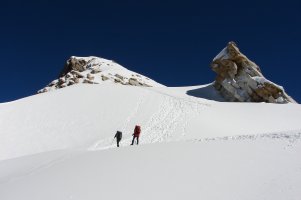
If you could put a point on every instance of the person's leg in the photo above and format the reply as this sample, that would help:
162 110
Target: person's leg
133 140
118 143
137 140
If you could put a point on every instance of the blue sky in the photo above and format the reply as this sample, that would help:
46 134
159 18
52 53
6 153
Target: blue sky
173 42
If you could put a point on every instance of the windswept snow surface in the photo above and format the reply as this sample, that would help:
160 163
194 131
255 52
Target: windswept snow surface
59 145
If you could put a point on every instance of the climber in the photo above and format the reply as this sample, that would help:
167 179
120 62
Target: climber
118 137
136 134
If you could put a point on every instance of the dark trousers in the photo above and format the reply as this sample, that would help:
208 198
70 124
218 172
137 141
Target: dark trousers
118 140
134 140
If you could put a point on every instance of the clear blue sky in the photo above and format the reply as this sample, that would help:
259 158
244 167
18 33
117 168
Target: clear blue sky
173 42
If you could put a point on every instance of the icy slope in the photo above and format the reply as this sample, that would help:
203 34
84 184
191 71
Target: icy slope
87 117
266 167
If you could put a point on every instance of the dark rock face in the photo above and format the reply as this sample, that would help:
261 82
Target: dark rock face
240 79
75 64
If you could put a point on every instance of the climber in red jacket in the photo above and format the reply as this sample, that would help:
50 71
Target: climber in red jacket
136 134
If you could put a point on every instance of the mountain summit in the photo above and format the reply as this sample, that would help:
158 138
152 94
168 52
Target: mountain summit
240 79
95 70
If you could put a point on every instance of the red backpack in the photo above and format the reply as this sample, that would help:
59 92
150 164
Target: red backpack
137 131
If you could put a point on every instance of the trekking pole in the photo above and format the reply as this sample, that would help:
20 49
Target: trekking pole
112 141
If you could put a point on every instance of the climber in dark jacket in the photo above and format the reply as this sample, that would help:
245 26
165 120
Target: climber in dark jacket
136 134
118 137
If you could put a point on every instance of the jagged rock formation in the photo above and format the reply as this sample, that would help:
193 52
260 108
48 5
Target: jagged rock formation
74 63
94 70
240 79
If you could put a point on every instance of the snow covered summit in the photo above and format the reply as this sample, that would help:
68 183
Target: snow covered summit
95 70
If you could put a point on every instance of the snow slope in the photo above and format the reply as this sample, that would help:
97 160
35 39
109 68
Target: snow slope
87 116
58 145
249 169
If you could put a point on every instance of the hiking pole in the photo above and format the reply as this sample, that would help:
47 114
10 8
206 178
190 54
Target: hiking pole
112 141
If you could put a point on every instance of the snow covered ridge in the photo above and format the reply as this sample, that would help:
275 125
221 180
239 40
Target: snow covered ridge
95 70
240 79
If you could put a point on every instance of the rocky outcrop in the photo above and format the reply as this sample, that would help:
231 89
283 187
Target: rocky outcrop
240 79
74 63
94 70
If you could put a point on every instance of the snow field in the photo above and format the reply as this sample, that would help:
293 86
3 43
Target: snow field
87 117
59 145
261 168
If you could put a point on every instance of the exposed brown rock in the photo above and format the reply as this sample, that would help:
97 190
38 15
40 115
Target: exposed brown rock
90 77
88 81
116 80
71 82
73 63
240 79
119 76
135 82
104 78
95 71
76 74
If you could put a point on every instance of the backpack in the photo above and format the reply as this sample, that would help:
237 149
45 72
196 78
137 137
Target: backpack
119 134
137 130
